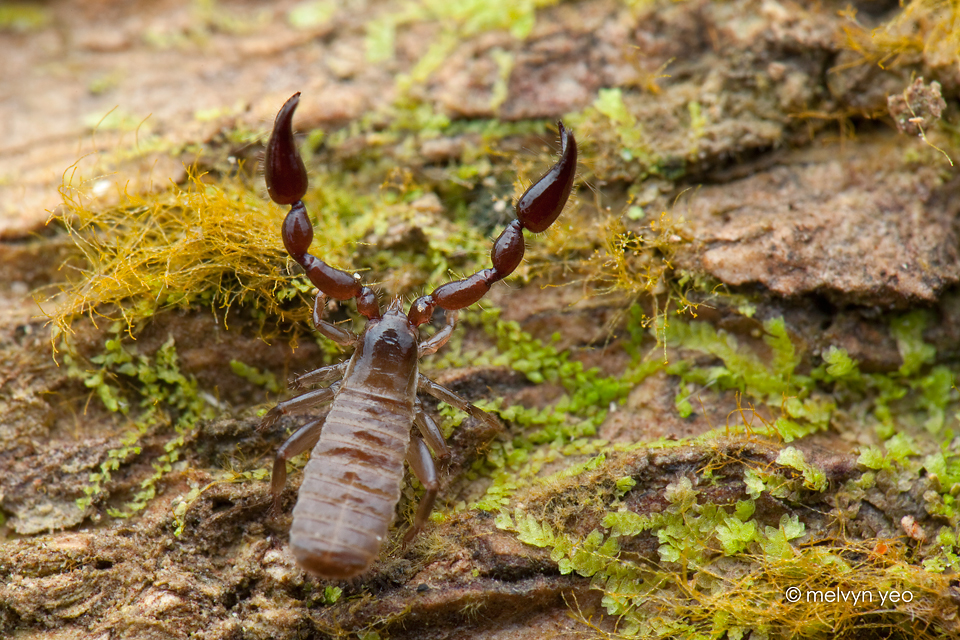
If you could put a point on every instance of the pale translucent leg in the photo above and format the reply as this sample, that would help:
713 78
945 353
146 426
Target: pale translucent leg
418 457
301 441
445 395
440 338
343 337
300 403
431 434
323 374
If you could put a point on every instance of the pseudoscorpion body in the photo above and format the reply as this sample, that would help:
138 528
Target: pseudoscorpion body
351 484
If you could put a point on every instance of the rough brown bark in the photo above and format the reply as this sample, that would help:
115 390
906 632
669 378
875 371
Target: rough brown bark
825 228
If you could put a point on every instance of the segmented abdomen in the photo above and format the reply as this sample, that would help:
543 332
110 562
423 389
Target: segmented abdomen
351 484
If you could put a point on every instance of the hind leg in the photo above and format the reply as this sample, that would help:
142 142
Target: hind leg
418 457
431 434
303 440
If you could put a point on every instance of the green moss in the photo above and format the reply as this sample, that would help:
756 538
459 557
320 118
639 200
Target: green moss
813 478
152 386
918 393
908 332
771 380
698 126
310 14
717 565
505 62
574 414
635 146
23 17
331 594
837 366
743 369
563 429
264 379
543 436
721 573
458 20
181 504
872 458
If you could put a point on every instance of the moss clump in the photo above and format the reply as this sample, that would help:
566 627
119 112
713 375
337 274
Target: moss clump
563 429
23 17
719 570
264 379
214 245
459 20
927 29
153 384
720 567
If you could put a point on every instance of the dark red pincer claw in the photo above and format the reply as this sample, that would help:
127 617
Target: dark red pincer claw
542 203
283 168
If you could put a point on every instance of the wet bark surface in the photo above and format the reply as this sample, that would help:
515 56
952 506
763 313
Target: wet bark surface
781 203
